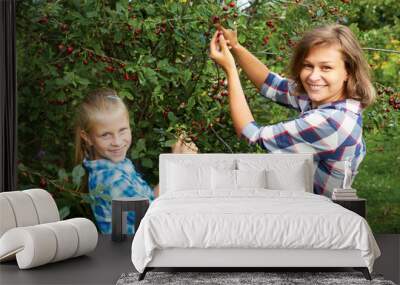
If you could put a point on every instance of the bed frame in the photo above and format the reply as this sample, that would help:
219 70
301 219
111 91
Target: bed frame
246 258
242 259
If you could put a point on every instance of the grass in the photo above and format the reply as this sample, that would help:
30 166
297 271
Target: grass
378 181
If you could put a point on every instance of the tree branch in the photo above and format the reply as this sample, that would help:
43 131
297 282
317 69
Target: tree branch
382 50
222 140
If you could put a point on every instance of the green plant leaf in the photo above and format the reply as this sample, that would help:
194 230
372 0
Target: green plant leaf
77 173
64 212
147 162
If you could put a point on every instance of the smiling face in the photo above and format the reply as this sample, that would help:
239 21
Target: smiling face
110 136
323 74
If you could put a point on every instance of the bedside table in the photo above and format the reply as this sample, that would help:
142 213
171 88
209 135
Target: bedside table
358 205
122 205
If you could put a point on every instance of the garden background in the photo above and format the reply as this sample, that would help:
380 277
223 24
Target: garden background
155 53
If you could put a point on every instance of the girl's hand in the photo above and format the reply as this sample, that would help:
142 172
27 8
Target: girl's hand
220 53
184 145
230 36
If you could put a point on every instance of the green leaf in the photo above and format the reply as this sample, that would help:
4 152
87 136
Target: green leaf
150 75
140 145
62 174
64 212
170 143
143 124
77 173
22 167
320 12
125 94
146 162
83 81
172 117
150 9
186 76
88 198
191 103
242 38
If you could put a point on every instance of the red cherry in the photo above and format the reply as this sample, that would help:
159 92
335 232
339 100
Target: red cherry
215 19
64 27
126 76
346 1
266 40
43 182
70 49
134 77
122 65
85 62
291 43
232 4
110 68
270 23
225 8
44 20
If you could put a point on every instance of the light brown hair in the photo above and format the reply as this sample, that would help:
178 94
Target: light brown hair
94 106
358 85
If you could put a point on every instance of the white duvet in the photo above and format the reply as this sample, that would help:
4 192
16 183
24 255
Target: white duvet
253 218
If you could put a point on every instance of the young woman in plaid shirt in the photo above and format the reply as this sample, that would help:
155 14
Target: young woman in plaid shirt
329 85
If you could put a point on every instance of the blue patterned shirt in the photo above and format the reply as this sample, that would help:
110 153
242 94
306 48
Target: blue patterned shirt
332 132
109 180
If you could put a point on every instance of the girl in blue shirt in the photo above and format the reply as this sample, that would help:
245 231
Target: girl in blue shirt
102 139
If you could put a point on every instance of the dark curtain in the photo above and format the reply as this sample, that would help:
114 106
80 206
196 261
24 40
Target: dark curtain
8 108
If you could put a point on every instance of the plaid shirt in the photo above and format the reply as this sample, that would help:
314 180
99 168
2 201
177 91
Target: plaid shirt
332 133
108 180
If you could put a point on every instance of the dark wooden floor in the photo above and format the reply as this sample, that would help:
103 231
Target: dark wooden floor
110 260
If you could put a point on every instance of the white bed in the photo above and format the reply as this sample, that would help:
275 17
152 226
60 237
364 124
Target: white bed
212 222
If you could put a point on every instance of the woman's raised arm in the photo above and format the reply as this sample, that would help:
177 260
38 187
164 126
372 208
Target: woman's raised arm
255 70
240 111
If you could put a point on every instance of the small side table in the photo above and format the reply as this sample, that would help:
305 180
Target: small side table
119 206
358 205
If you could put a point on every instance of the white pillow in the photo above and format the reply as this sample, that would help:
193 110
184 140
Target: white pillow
281 174
293 179
251 179
223 179
183 177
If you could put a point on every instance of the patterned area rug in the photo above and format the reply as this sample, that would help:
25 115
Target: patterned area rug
242 278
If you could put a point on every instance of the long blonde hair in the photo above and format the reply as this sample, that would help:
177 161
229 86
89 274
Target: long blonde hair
94 105
358 85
